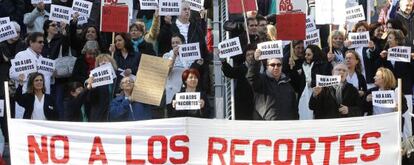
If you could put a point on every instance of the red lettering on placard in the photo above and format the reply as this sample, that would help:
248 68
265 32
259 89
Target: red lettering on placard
255 151
344 149
328 141
307 152
164 148
276 146
65 157
97 144
111 1
129 160
234 152
183 149
370 146
285 5
33 146
219 152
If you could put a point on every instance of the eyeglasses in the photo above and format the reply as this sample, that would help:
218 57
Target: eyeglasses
275 64
53 25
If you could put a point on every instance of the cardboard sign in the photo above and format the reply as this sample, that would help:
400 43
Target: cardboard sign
187 101
4 20
7 31
399 53
310 24
270 49
38 1
82 20
102 75
230 47
359 39
235 6
196 5
385 99
312 38
291 26
2 108
82 7
23 66
189 52
60 13
326 81
330 12
170 7
148 4
291 5
355 14
46 66
114 19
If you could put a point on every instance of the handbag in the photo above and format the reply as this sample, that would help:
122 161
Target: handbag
64 65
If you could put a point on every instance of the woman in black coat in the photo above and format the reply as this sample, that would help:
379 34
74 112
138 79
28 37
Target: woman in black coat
355 76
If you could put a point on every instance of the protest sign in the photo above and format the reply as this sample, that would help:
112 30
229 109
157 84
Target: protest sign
330 12
230 47
189 52
385 99
235 6
82 20
326 81
296 23
359 39
148 4
399 53
187 101
102 75
270 49
7 31
23 66
312 38
310 23
195 141
355 14
2 109
38 1
290 5
60 13
151 77
4 20
169 7
46 66
196 5
114 18
82 7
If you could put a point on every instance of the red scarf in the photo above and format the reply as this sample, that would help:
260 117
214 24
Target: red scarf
90 62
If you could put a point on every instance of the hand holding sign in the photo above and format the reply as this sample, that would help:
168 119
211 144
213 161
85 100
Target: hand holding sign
325 81
316 91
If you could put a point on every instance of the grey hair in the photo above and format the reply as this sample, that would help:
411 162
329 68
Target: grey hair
16 25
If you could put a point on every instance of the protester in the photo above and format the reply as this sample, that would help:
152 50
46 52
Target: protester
89 33
336 38
85 63
406 16
293 56
74 103
139 43
124 55
355 76
35 19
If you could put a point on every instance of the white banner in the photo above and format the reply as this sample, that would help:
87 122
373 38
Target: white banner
355 14
270 49
359 39
82 7
187 101
196 5
23 66
4 20
7 31
370 140
102 76
44 1
60 13
325 81
399 53
312 38
148 4
230 47
310 24
330 12
169 7
384 99
46 66
189 52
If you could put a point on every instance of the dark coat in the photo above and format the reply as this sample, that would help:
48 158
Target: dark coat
72 107
7 52
80 70
99 100
27 102
51 49
130 62
202 113
408 22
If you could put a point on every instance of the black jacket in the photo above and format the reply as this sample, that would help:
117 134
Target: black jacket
99 100
202 113
408 22
80 70
7 52
72 107
27 102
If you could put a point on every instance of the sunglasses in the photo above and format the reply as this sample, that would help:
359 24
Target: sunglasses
275 64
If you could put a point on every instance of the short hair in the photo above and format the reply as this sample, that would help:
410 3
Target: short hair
334 34
260 18
30 83
397 24
250 47
340 64
398 34
101 57
358 67
127 41
250 19
265 63
72 86
33 37
187 73
359 24
389 78
16 25
179 35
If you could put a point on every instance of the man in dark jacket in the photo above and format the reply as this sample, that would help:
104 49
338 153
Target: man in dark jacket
274 97
406 16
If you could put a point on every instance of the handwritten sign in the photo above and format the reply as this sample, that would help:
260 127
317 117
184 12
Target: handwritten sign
355 14
44 1
46 66
312 38
310 23
230 47
385 99
359 39
4 20
187 101
7 31
170 7
148 4
196 5
102 75
23 65
82 7
399 53
189 52
325 81
270 49
330 12
60 13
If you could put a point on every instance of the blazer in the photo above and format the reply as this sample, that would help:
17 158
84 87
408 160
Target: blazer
27 102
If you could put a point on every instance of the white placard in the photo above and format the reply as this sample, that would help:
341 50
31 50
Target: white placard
82 20
2 108
270 49
23 66
82 7
60 13
359 39
102 76
230 47
196 5
109 65
169 7
330 12
7 31
46 66
399 53
312 38
4 20
148 4
355 14
187 101
189 52
310 24
326 81
385 99
44 1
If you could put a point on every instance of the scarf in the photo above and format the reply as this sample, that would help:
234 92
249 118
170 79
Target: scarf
90 62
136 43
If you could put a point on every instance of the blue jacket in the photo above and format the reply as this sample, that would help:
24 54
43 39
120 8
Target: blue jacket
124 110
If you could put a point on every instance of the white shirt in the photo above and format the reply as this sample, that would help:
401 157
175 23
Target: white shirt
353 79
360 55
183 29
38 112
178 62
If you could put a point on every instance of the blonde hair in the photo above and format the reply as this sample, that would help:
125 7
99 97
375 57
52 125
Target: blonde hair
271 32
108 57
334 34
389 78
